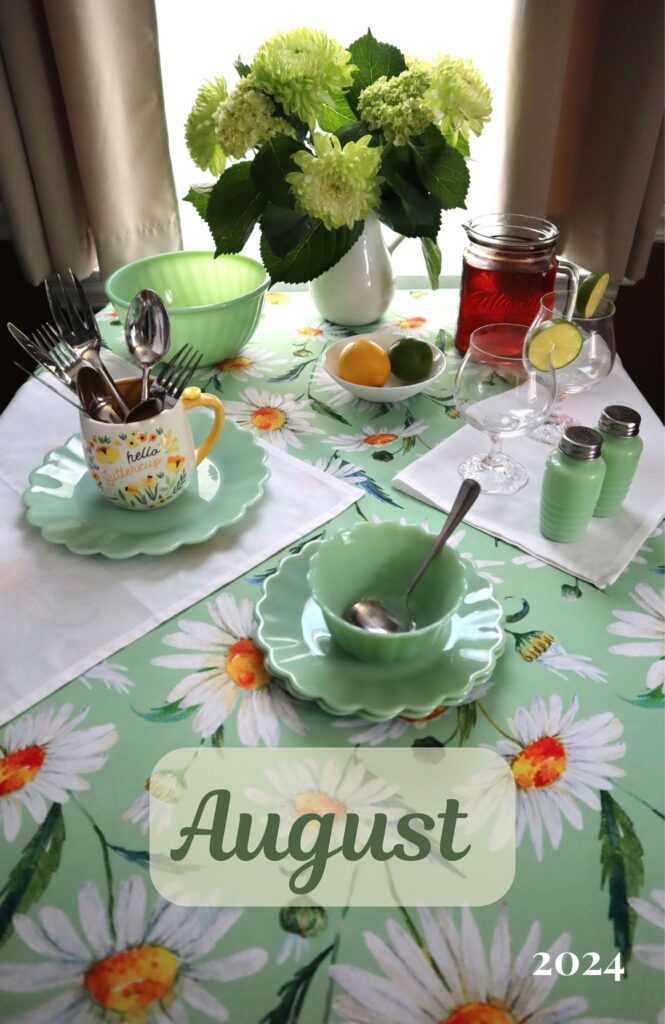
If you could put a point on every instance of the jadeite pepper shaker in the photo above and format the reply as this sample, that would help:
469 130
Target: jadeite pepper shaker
622 447
574 474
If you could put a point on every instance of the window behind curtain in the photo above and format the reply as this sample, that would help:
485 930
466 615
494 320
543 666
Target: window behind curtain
200 39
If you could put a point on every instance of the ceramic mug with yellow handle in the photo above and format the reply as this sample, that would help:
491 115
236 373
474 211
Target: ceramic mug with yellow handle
147 464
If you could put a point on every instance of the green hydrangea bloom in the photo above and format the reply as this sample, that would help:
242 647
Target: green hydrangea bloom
302 69
340 185
202 142
396 106
246 118
459 96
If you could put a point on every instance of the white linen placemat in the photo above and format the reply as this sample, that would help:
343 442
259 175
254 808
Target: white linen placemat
608 544
61 613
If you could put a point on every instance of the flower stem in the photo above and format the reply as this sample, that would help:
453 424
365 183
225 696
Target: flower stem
494 725
107 862
654 810
335 950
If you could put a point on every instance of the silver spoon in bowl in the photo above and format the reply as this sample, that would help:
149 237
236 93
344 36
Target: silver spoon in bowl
147 333
373 615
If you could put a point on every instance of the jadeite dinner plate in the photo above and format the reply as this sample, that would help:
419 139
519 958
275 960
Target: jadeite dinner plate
64 503
299 649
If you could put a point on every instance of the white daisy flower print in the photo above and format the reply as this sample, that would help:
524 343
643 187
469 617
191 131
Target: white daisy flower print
373 437
411 327
647 628
228 671
138 972
43 757
555 761
166 790
653 911
276 419
113 677
337 787
343 470
496 989
555 659
253 361
483 564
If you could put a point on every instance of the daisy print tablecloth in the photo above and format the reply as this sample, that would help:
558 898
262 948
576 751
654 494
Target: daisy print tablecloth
575 707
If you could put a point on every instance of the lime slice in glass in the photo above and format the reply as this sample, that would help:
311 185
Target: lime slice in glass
590 293
557 342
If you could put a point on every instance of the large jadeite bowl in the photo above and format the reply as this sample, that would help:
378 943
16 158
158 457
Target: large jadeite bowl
214 303
377 560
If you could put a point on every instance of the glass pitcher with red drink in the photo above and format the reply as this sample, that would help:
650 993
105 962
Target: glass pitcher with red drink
509 264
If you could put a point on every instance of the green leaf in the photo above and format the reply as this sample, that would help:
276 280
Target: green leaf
291 374
372 59
271 165
432 255
427 741
166 713
294 991
318 250
466 720
284 229
198 196
383 456
650 699
443 169
462 143
354 131
406 206
234 206
141 857
30 876
333 115
325 410
218 736
621 857
522 613
242 68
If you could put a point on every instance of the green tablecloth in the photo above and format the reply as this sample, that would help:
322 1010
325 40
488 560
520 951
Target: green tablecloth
576 707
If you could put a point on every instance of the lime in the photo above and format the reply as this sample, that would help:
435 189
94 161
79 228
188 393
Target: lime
410 359
589 294
555 341
364 362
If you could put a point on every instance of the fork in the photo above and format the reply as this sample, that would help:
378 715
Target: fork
176 375
36 350
78 327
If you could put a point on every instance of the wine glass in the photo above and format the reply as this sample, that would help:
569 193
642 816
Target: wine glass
503 395
589 367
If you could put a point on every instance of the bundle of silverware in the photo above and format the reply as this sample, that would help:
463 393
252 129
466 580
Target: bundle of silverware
69 348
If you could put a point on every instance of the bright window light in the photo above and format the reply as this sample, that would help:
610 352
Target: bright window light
200 39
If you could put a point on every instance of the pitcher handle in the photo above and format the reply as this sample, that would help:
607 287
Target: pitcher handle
193 397
571 271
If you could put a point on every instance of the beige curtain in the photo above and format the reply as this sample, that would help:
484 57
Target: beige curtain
585 127
85 173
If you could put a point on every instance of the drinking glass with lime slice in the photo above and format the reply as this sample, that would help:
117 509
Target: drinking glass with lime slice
580 346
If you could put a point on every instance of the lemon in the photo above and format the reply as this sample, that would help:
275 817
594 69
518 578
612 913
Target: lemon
590 293
555 341
411 360
364 362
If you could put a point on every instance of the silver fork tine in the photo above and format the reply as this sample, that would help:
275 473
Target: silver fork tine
181 373
86 309
75 322
46 340
56 312
169 368
186 375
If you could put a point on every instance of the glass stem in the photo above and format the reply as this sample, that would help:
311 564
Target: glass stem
495 450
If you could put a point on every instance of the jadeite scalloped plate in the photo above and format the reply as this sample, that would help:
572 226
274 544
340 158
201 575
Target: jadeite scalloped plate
64 503
299 649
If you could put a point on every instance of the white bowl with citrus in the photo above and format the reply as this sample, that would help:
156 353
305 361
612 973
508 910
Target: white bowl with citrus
367 365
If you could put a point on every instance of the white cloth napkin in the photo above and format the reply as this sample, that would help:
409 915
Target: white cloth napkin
608 544
61 614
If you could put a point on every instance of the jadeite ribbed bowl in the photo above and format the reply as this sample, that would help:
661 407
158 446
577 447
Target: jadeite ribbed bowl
378 560
214 304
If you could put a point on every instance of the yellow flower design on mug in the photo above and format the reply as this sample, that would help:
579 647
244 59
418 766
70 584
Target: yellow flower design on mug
106 453
174 463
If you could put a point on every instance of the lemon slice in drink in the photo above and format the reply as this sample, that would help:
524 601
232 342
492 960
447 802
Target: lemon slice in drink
557 342
590 293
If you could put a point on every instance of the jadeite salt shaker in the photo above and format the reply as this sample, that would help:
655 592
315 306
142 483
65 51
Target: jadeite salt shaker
622 447
574 474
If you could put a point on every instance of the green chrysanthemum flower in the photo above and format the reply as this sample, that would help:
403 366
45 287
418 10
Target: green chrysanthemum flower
302 69
340 185
397 105
202 142
246 118
459 96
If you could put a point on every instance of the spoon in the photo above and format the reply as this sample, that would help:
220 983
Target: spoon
145 410
95 396
147 333
372 615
